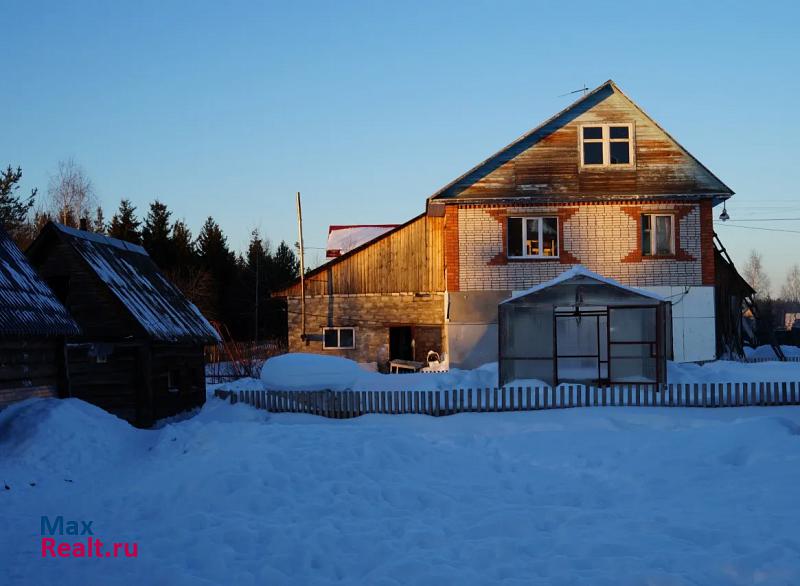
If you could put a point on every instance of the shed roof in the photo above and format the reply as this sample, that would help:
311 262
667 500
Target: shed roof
27 305
343 239
128 271
579 272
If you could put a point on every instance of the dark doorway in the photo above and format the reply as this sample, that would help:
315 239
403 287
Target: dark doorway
401 343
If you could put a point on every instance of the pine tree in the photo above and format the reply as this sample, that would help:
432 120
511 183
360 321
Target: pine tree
182 246
285 266
156 235
124 224
212 247
14 208
99 223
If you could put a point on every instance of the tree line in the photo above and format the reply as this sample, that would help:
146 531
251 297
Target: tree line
230 288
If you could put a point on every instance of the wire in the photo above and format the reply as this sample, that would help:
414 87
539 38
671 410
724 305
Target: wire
766 220
759 228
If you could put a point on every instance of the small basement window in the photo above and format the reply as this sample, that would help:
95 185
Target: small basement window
338 338
658 236
533 237
605 145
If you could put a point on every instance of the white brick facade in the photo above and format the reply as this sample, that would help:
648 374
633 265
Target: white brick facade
603 238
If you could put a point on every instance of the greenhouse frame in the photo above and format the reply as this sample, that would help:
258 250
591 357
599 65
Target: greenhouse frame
582 327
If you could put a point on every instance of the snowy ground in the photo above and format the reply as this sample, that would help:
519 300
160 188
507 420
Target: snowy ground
616 496
311 372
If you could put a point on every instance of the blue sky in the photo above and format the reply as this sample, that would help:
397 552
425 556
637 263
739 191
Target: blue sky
227 109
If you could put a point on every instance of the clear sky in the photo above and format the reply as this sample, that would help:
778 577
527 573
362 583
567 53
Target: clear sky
229 108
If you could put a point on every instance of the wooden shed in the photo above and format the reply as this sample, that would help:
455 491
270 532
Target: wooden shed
33 325
140 354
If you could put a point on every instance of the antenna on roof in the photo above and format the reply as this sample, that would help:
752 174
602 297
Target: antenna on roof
584 89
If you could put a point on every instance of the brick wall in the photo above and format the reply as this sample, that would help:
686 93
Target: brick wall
605 238
370 314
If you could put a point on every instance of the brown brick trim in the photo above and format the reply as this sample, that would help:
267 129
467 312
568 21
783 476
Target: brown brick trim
636 213
564 256
707 244
451 247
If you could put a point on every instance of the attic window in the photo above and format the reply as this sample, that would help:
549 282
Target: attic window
607 145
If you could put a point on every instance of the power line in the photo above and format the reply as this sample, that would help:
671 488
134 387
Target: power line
759 228
767 220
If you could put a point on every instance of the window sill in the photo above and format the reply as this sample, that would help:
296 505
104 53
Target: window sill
531 258
590 168
659 256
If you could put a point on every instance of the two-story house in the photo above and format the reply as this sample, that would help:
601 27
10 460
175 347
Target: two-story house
599 184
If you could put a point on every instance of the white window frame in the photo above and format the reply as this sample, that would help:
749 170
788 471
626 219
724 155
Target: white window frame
338 338
653 224
606 140
524 225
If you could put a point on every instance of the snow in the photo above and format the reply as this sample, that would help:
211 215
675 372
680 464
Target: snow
601 496
581 271
343 239
768 352
315 372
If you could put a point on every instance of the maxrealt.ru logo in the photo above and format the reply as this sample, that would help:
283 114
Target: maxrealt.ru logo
87 546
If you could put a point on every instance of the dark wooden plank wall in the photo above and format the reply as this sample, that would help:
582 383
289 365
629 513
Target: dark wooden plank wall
29 368
187 362
409 260
552 166
111 385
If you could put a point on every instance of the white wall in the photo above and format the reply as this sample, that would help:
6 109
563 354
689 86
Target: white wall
693 325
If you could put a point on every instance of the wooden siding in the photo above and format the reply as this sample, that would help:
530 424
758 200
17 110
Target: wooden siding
407 259
29 367
546 162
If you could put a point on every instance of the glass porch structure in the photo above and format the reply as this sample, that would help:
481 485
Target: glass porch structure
584 328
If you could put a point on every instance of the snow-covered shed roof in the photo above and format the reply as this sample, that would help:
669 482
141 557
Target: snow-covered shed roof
28 306
343 239
581 272
132 276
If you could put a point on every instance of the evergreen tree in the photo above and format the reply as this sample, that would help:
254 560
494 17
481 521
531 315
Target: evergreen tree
124 224
182 246
156 235
99 223
212 247
14 207
285 265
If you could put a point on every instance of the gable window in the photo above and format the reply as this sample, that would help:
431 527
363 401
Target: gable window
338 338
657 235
605 145
532 237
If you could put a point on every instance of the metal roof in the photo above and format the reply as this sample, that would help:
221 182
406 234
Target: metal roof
132 276
28 307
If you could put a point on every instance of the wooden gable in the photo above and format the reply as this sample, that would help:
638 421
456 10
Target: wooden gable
546 162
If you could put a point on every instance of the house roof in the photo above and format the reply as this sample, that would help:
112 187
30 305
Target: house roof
27 305
545 129
578 272
131 275
342 239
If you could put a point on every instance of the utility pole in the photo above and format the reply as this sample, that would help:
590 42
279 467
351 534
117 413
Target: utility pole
302 271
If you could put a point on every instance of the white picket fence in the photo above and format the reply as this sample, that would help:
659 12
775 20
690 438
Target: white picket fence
347 404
